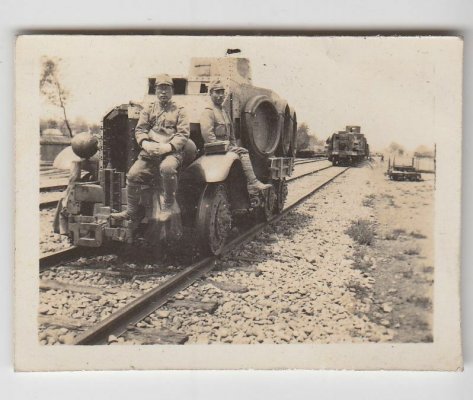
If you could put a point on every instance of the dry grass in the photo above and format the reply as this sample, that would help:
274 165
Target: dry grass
412 251
418 235
394 234
361 231
408 274
359 290
362 265
421 301
368 201
390 199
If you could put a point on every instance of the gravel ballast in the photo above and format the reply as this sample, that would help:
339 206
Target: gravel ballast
293 284
302 280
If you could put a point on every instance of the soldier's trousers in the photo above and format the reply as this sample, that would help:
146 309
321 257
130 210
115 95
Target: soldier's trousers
245 163
144 170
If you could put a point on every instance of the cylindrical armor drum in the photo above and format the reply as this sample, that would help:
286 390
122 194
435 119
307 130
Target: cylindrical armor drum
260 128
293 149
286 128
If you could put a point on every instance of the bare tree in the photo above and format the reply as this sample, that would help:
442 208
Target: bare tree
396 148
306 139
95 129
80 125
424 151
51 87
302 136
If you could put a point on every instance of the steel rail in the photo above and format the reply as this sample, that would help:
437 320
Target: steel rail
117 323
294 178
51 260
48 204
52 188
309 161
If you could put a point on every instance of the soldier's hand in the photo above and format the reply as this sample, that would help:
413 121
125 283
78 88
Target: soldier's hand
150 147
156 149
163 149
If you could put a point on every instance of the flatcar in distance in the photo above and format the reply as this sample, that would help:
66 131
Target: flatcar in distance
347 147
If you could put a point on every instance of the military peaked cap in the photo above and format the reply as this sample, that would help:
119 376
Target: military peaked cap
163 79
216 85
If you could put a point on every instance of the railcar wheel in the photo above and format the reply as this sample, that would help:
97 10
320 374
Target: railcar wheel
214 218
280 188
269 207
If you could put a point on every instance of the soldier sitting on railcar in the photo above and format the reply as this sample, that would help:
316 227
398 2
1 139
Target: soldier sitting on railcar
215 125
162 132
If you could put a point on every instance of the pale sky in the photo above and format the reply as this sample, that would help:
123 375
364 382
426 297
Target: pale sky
397 89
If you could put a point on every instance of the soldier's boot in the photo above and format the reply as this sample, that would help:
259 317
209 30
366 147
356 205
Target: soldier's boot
254 185
132 212
169 206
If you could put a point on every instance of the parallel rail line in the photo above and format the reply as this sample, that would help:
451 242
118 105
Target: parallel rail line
311 160
52 188
51 260
294 178
48 204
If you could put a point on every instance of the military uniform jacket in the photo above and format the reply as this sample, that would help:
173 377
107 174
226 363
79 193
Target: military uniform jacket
215 125
168 124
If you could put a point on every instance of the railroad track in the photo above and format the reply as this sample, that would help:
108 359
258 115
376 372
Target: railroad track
53 259
70 253
48 204
65 255
310 160
52 183
146 303
296 177
52 188
51 194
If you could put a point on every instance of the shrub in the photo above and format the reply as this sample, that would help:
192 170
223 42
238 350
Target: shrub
412 251
362 265
394 234
390 199
357 288
368 201
361 231
418 235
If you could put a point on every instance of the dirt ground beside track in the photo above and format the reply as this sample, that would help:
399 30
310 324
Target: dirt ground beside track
401 258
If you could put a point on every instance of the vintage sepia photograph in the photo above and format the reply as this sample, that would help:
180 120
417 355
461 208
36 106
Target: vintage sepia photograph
208 202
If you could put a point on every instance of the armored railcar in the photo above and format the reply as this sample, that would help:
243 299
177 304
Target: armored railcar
347 147
212 190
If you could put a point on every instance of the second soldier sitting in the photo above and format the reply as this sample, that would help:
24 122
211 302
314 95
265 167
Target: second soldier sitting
215 125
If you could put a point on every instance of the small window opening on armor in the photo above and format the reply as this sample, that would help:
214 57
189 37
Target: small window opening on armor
180 85
204 88
151 88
